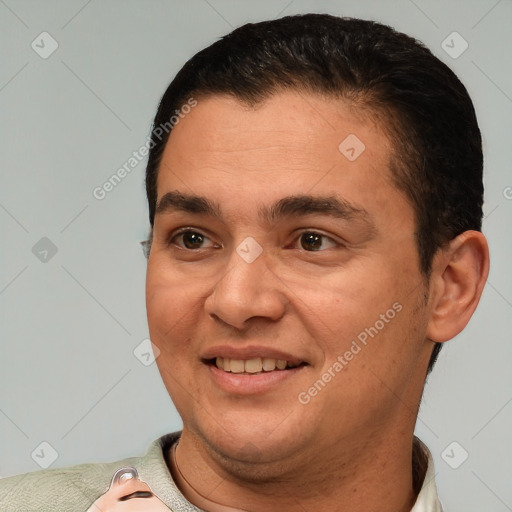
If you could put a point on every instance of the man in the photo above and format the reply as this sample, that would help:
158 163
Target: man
315 200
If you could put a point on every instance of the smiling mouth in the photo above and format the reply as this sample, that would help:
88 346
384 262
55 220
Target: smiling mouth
254 366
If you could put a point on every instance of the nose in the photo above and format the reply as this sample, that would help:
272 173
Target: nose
247 289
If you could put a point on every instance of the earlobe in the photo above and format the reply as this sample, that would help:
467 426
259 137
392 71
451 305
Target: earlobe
458 277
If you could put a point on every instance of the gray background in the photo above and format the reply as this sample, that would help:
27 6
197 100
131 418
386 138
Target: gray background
70 324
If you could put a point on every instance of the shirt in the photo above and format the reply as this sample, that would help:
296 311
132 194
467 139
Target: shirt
81 487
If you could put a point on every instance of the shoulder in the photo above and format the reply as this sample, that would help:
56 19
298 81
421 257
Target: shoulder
72 488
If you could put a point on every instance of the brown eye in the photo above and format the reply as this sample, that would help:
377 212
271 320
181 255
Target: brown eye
192 240
311 241
314 241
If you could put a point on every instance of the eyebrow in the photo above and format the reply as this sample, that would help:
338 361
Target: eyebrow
178 202
307 205
291 206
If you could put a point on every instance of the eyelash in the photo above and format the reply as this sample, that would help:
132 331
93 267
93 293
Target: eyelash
184 231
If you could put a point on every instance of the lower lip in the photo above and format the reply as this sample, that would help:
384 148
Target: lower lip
246 384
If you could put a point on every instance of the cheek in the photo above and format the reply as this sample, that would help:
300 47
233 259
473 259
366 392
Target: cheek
172 318
172 298
173 306
365 315
338 306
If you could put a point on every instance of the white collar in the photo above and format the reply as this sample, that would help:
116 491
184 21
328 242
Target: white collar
427 500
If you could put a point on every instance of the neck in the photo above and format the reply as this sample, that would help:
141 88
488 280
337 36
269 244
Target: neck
375 473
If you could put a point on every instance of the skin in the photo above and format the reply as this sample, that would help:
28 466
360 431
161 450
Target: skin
128 495
349 448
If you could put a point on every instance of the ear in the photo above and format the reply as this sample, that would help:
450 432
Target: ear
458 277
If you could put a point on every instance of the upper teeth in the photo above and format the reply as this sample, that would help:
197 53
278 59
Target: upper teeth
255 365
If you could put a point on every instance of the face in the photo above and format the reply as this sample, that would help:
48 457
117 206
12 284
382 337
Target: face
283 284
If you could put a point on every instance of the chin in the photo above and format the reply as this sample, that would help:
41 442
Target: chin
252 459
251 442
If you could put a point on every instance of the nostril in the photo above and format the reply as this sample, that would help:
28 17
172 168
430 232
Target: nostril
136 494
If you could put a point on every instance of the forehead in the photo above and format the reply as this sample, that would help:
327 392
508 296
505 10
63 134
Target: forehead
304 125
290 143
